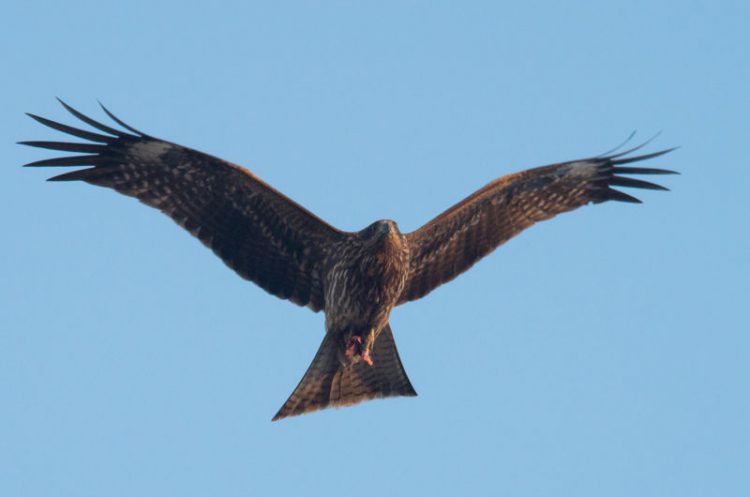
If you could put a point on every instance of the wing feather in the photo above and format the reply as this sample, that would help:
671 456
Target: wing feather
257 231
456 239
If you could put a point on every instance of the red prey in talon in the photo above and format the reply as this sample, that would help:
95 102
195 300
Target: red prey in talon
354 348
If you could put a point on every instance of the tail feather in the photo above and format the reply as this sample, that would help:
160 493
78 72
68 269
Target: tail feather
328 383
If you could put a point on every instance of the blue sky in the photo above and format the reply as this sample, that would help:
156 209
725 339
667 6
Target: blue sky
602 353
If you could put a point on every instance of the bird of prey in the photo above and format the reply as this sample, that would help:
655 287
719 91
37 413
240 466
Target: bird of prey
356 278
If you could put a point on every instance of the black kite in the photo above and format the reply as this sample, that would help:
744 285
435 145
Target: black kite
356 278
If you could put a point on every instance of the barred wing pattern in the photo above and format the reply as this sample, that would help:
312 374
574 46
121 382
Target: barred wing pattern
452 242
257 231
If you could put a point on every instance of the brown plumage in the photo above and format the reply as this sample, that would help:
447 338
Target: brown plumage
356 278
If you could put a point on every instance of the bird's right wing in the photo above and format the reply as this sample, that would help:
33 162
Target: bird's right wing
456 239
257 231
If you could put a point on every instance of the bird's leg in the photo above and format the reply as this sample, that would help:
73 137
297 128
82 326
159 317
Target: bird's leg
367 346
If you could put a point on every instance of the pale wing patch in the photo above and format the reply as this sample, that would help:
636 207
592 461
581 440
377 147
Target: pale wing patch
582 169
150 149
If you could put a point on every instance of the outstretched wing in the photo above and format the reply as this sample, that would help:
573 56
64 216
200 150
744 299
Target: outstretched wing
456 239
261 234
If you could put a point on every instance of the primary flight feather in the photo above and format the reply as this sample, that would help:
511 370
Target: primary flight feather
356 278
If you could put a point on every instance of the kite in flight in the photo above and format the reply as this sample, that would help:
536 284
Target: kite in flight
356 278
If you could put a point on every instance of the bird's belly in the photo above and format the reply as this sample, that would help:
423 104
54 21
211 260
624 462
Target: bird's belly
361 299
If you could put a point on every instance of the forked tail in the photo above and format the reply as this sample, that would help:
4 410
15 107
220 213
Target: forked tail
328 383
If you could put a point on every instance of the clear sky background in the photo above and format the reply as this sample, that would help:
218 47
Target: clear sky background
604 353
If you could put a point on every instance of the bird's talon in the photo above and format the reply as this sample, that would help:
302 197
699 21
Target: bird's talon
366 357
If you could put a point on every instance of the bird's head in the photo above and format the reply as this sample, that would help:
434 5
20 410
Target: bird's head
381 228
380 231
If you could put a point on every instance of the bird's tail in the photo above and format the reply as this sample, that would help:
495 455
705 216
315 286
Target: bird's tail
328 382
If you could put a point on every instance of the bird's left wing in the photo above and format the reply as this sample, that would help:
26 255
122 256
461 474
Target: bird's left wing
256 230
456 239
